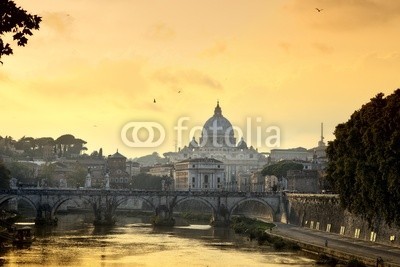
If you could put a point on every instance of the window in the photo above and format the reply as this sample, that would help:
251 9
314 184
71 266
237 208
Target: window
193 180
218 179
193 165
206 179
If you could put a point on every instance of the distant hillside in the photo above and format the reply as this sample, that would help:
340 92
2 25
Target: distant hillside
151 160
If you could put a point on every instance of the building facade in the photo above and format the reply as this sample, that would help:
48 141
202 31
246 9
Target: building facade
201 174
118 177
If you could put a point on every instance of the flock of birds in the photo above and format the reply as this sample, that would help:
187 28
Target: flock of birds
154 100
318 9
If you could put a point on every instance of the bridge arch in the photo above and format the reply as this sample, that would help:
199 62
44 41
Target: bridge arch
200 199
19 197
145 199
261 201
61 201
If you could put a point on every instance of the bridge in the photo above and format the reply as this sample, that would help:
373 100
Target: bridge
104 202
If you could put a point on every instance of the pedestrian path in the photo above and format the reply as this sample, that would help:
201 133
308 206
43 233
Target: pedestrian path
333 244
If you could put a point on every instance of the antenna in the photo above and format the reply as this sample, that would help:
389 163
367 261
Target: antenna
321 142
322 131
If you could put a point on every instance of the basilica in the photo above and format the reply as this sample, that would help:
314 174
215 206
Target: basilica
218 142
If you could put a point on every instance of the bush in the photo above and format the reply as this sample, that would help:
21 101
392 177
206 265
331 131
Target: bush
355 263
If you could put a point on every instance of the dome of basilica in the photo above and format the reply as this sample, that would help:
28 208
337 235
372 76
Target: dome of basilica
218 131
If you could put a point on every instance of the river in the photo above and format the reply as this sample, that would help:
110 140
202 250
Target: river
76 242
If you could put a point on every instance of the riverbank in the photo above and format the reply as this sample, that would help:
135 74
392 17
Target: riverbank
259 230
338 246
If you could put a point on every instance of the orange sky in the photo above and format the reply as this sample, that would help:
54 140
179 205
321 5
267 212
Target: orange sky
96 65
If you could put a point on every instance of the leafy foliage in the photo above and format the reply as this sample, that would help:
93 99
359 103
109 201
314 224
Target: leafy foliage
67 145
146 181
44 147
17 21
22 171
77 176
364 160
281 168
4 176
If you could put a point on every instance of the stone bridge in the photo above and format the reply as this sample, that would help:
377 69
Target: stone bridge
46 202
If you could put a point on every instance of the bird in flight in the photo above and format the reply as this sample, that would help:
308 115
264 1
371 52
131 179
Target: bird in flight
319 10
154 101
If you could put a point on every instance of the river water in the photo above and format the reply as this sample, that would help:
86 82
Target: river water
76 242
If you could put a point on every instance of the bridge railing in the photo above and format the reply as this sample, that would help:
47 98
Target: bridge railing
128 192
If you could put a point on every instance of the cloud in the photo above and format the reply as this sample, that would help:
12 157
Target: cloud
178 78
216 49
323 48
59 22
117 83
4 77
285 46
160 31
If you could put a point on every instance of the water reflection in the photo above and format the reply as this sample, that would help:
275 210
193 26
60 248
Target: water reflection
133 242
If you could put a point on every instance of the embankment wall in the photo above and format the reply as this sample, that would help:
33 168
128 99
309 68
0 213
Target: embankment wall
323 212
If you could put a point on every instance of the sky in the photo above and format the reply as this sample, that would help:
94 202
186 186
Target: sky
95 67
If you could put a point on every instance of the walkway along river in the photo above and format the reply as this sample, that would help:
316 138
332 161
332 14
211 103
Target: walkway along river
340 246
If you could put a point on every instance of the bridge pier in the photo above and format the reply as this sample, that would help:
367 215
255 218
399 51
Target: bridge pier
220 216
163 217
164 212
45 216
104 210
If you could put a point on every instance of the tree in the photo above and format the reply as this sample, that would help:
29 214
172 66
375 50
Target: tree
17 21
94 154
67 145
364 161
281 168
4 176
77 176
146 181
24 172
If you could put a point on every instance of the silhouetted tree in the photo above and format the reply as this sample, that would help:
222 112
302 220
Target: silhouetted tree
364 160
17 21
4 176
94 154
281 168
67 144
26 144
